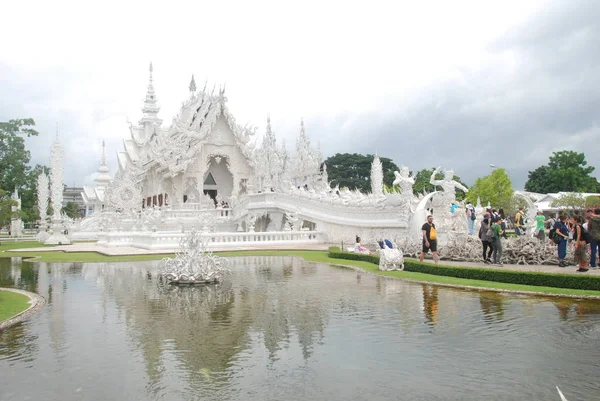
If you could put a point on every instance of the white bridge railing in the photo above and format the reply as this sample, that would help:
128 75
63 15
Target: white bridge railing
219 240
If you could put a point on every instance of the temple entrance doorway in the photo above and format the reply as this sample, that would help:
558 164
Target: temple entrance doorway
212 193
218 180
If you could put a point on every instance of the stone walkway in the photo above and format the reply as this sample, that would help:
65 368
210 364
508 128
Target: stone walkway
122 251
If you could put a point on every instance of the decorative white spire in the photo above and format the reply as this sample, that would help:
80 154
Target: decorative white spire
151 107
193 84
103 177
377 176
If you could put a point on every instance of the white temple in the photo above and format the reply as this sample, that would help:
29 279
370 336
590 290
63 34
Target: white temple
93 197
202 172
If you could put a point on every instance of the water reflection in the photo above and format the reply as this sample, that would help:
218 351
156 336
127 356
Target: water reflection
282 328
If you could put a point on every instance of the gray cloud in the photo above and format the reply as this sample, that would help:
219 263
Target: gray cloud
535 90
539 92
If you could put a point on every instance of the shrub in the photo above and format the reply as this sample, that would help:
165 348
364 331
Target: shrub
578 282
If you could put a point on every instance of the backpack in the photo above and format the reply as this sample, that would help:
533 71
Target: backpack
473 216
585 235
594 227
557 238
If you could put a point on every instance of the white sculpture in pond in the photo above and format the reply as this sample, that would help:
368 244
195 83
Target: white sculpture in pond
194 264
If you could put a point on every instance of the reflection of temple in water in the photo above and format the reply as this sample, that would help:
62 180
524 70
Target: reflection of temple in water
213 324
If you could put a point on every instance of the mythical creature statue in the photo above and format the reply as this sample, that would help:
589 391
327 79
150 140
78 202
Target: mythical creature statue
405 181
448 185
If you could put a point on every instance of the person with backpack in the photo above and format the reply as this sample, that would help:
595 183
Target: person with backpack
496 243
550 225
471 217
485 239
562 235
520 222
581 240
593 229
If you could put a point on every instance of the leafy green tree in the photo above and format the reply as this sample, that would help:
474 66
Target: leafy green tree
567 171
572 200
72 210
422 183
354 170
592 201
6 204
15 172
495 189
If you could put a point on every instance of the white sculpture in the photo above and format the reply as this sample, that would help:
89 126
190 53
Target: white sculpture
43 199
404 181
16 225
448 185
377 177
390 258
57 235
56 177
194 264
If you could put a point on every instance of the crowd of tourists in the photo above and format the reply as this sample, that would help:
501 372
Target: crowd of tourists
581 233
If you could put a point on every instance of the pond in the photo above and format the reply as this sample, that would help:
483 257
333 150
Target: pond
281 328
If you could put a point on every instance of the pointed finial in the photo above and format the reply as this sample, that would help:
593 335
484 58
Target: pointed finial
268 118
193 84
103 158
150 69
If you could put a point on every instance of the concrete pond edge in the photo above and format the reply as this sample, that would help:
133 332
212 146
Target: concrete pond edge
36 303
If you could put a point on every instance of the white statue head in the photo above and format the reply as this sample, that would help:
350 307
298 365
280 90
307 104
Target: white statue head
449 174
404 171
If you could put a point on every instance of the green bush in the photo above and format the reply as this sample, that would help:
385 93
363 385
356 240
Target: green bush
578 282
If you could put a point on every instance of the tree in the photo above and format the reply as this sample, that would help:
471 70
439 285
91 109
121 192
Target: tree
495 189
6 204
573 201
15 172
354 170
72 210
422 183
592 201
566 172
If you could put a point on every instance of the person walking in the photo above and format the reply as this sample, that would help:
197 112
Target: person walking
429 240
540 222
562 231
485 239
496 241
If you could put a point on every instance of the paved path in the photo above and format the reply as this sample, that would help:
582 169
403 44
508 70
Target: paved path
124 250
531 268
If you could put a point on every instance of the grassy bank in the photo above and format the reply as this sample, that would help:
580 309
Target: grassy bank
12 303
311 256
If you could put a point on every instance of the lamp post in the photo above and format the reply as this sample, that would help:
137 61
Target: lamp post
503 168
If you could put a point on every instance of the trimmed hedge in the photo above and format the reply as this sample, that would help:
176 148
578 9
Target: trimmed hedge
577 282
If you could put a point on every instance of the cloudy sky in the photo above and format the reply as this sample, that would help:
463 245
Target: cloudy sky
463 84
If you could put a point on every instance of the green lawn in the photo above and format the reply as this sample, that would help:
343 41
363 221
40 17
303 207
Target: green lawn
311 256
12 303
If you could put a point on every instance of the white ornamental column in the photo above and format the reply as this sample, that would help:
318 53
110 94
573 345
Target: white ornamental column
57 236
43 198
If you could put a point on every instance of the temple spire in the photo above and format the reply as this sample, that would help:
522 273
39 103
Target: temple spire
151 107
103 157
193 84
103 177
